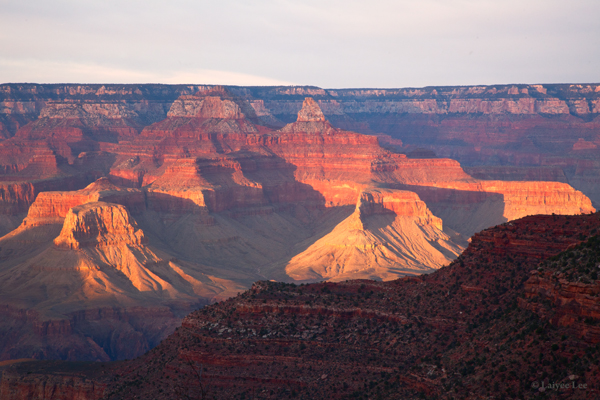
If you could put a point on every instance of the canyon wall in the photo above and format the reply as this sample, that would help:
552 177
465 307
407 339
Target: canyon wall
172 196
492 128
445 334
462 330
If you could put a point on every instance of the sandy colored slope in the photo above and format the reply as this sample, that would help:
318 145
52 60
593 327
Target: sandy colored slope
388 236
100 258
66 280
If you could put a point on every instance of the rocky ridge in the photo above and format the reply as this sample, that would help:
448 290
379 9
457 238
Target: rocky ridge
464 330
390 232
565 291
222 201
99 225
88 286
345 339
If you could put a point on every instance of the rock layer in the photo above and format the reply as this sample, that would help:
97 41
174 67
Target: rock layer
565 290
224 201
99 225
440 335
391 233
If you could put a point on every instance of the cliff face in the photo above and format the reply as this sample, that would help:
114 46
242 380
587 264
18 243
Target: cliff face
468 207
565 290
391 233
198 202
87 286
443 335
99 225
53 205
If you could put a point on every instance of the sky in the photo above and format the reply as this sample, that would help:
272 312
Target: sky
325 43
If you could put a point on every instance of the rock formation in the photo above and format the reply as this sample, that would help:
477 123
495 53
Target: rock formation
565 290
463 330
391 233
440 335
197 200
99 225
310 120
93 289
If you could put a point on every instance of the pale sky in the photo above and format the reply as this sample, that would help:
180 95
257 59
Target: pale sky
326 43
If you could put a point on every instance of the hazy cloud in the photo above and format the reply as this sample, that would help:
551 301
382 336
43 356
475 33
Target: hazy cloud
326 43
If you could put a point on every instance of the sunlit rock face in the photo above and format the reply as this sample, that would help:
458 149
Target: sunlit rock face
201 199
391 233
310 120
205 107
307 331
99 225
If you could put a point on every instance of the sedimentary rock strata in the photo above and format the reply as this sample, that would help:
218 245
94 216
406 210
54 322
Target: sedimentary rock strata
168 199
460 331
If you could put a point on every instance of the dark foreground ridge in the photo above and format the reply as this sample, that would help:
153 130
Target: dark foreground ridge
515 316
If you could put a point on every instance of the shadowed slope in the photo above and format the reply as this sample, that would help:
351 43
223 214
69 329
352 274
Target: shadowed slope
99 261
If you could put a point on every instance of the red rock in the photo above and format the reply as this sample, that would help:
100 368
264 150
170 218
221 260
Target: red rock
52 207
310 120
16 197
582 144
57 386
398 202
310 112
330 340
99 224
379 240
215 188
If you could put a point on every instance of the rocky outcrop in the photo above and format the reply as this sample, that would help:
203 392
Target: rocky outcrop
400 203
52 207
205 107
439 334
204 115
107 294
99 225
574 304
310 112
391 233
565 290
310 120
223 201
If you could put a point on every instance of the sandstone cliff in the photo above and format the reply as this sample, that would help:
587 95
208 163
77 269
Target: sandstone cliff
99 225
565 291
222 201
441 335
64 288
468 207
391 233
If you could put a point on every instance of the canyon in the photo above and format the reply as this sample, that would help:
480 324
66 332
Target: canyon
508 132
503 319
125 207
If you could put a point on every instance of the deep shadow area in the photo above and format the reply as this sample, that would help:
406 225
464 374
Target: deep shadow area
464 211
